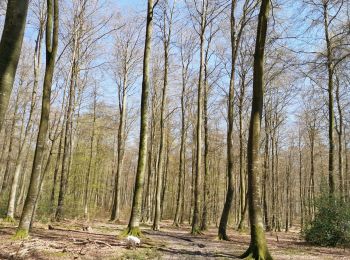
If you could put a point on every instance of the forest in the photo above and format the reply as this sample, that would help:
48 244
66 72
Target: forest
175 129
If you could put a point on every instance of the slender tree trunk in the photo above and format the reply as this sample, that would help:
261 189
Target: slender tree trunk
160 170
301 197
230 187
258 246
67 144
183 201
235 44
195 218
330 71
5 179
241 158
193 174
134 222
150 173
204 223
340 142
346 173
121 148
44 171
179 200
10 50
57 167
34 186
87 182
288 192
265 177
12 199
312 170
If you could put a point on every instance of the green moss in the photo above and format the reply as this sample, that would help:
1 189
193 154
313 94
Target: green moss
9 219
196 231
257 252
131 231
258 248
21 234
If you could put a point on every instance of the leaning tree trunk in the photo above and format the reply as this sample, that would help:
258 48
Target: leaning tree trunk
10 50
34 185
134 222
258 247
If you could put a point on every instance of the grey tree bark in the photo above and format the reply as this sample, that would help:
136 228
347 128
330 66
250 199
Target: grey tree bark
134 222
258 246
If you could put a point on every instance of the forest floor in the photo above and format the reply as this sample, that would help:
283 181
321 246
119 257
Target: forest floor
67 241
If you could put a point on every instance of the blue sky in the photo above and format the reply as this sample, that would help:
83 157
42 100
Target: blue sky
134 4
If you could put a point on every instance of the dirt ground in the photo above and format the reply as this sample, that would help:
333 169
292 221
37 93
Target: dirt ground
102 241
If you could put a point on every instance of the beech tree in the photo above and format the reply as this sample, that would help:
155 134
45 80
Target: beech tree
51 36
258 247
134 222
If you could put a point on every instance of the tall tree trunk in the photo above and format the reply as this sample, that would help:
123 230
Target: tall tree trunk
195 218
301 197
230 183
57 167
148 199
34 186
330 71
10 50
258 247
23 146
204 221
67 144
179 200
160 169
346 173
134 222
340 142
166 171
120 147
242 178
183 201
288 191
265 176
88 174
312 170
